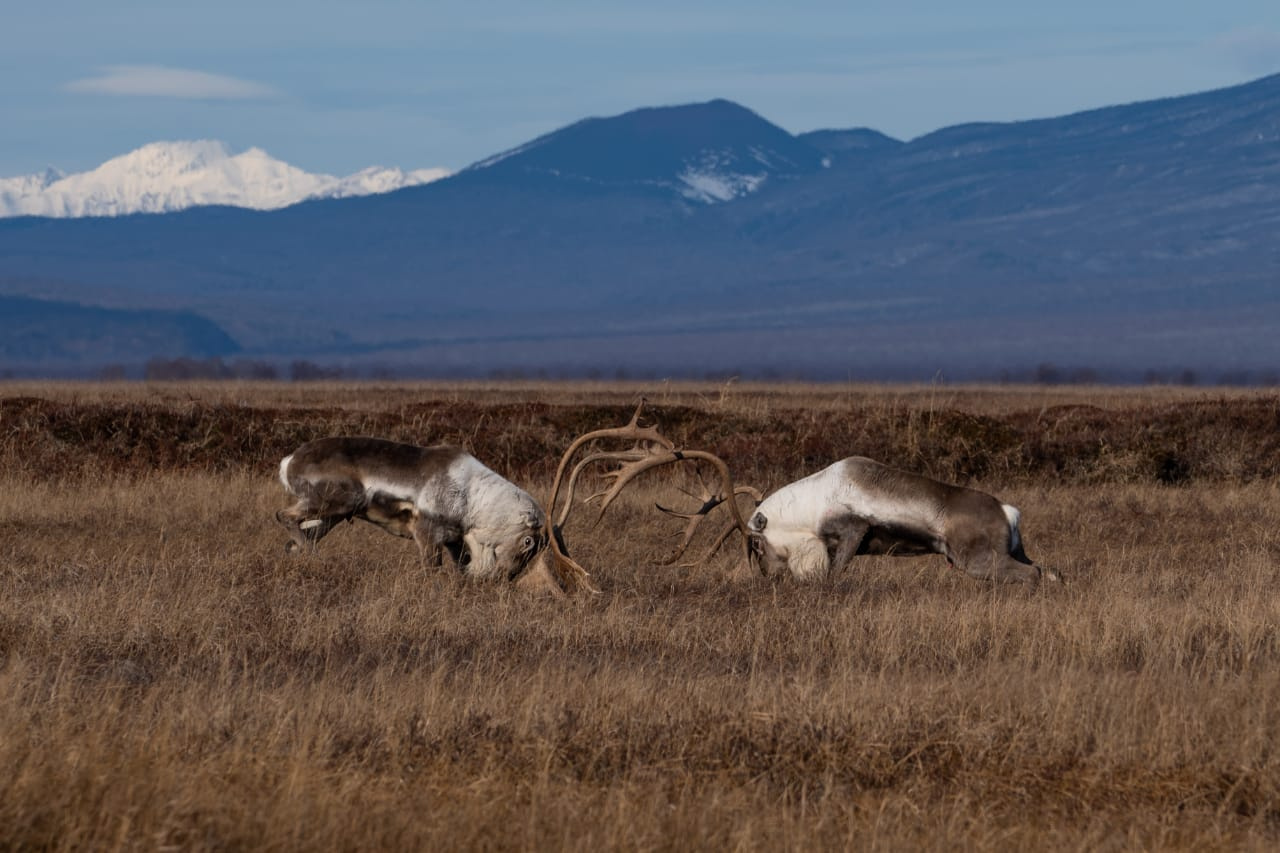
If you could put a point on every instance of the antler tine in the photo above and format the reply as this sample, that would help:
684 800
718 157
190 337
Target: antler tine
630 471
624 475
716 545
726 482
570 575
571 486
696 518
633 430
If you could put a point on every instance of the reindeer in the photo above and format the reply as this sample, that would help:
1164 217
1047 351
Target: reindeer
441 497
857 506
817 525
447 500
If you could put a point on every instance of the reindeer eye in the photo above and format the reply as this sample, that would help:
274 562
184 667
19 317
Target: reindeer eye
526 543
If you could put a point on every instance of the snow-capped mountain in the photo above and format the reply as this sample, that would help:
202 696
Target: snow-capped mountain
167 176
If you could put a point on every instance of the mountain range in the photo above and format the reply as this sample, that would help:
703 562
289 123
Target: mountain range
704 239
164 177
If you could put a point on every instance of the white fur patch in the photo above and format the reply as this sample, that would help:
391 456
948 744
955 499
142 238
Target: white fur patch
314 522
402 490
791 517
284 472
807 559
806 503
1015 519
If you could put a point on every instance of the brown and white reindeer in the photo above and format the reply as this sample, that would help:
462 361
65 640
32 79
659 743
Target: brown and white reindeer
441 497
445 499
815 526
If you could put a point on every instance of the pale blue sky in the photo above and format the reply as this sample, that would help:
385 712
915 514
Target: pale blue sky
334 87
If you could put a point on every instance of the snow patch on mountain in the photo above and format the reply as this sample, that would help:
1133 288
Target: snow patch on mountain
712 187
167 176
717 176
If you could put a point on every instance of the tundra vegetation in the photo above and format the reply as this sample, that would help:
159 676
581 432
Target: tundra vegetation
172 678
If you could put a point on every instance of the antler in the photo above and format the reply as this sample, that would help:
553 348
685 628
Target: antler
570 575
651 450
633 430
709 502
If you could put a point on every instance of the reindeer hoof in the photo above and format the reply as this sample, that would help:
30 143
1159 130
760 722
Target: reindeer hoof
291 547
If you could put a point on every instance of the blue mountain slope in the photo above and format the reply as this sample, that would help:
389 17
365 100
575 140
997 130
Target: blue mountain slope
1146 198
36 331
661 150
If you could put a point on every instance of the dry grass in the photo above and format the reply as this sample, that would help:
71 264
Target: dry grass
171 678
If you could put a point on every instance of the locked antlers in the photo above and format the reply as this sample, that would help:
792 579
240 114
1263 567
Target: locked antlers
650 450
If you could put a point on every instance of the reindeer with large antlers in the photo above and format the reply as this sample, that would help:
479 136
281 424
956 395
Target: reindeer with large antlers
816 525
445 499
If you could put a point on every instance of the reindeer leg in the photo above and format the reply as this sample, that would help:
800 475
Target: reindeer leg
992 565
318 510
434 538
288 518
305 529
1050 574
843 536
293 518
1019 567
1017 554
1013 571
428 550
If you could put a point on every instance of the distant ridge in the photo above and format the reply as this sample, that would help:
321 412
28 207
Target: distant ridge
58 333
856 140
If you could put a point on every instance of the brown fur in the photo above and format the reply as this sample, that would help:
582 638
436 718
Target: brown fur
971 529
329 476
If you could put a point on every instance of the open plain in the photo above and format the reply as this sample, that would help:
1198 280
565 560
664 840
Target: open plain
170 678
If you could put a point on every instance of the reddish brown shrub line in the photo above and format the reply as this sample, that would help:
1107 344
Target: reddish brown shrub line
1229 440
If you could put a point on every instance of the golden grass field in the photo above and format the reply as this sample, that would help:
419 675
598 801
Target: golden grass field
171 679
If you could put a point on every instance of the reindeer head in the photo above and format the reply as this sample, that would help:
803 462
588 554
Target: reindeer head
761 555
504 547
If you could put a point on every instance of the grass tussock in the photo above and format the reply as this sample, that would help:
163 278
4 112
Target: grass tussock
172 678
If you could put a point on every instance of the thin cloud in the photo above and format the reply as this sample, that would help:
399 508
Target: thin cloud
157 81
